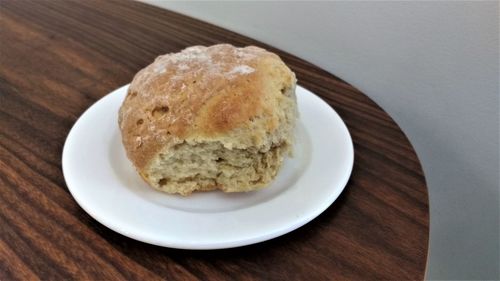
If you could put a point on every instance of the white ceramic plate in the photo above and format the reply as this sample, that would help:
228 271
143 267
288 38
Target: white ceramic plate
105 184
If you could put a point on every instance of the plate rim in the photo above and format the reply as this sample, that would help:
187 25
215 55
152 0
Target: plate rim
215 245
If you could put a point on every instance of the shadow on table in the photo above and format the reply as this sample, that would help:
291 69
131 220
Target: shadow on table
303 241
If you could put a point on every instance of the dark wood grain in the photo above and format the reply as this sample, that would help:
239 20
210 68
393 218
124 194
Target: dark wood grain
59 57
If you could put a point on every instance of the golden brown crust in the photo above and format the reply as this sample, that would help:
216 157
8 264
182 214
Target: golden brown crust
201 93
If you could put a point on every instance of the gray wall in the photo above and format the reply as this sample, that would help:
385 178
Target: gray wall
434 67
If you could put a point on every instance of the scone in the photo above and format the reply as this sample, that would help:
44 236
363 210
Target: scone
206 118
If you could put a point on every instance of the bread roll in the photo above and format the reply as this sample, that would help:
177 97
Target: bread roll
207 118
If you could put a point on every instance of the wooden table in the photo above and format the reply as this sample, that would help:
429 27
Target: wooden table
59 57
